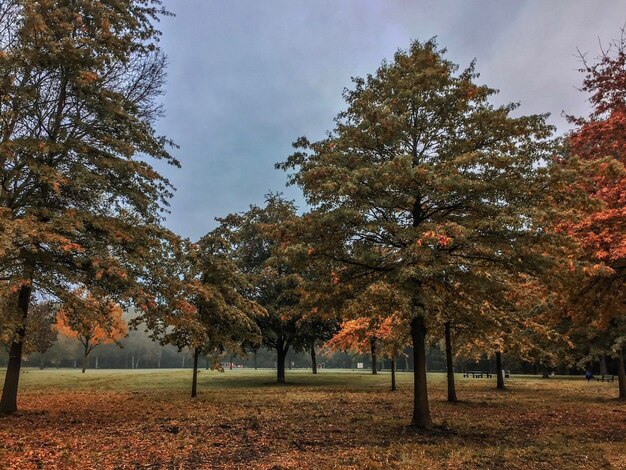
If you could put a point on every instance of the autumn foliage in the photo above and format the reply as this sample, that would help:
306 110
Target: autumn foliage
92 321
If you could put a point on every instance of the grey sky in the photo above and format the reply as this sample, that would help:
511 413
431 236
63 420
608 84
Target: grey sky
247 77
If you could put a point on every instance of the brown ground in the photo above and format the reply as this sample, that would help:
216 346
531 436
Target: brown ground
335 420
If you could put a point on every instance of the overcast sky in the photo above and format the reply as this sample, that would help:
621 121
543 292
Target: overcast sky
247 77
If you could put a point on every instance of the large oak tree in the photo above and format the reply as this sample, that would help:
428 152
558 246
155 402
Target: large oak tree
421 177
599 140
80 203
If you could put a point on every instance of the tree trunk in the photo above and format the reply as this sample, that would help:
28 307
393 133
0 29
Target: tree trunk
97 362
603 365
500 376
207 362
621 375
8 403
393 374
545 373
421 411
313 358
85 360
281 353
255 362
41 362
450 365
194 382
406 362
230 366
373 353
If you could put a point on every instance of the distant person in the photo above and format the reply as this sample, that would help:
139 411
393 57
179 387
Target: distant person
588 375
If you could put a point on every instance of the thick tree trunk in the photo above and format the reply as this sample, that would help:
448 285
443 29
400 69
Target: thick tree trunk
281 353
621 375
8 403
450 365
603 365
194 381
499 375
421 411
85 361
255 361
393 374
313 358
545 373
373 353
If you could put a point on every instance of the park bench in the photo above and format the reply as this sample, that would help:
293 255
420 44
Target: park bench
477 374
606 378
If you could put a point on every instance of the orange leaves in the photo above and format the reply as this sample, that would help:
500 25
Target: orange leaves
92 321
432 237
87 77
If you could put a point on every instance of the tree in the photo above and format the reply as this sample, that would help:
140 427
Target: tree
599 141
41 331
256 238
40 327
215 314
93 322
422 175
80 203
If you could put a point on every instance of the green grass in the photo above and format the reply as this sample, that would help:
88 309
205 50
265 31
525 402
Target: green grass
337 419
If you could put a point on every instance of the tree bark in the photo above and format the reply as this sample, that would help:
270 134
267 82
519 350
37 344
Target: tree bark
313 358
373 353
421 411
281 353
85 360
621 375
255 361
603 365
450 365
393 374
499 375
194 381
41 362
8 403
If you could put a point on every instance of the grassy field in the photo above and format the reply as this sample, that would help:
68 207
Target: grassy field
241 419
